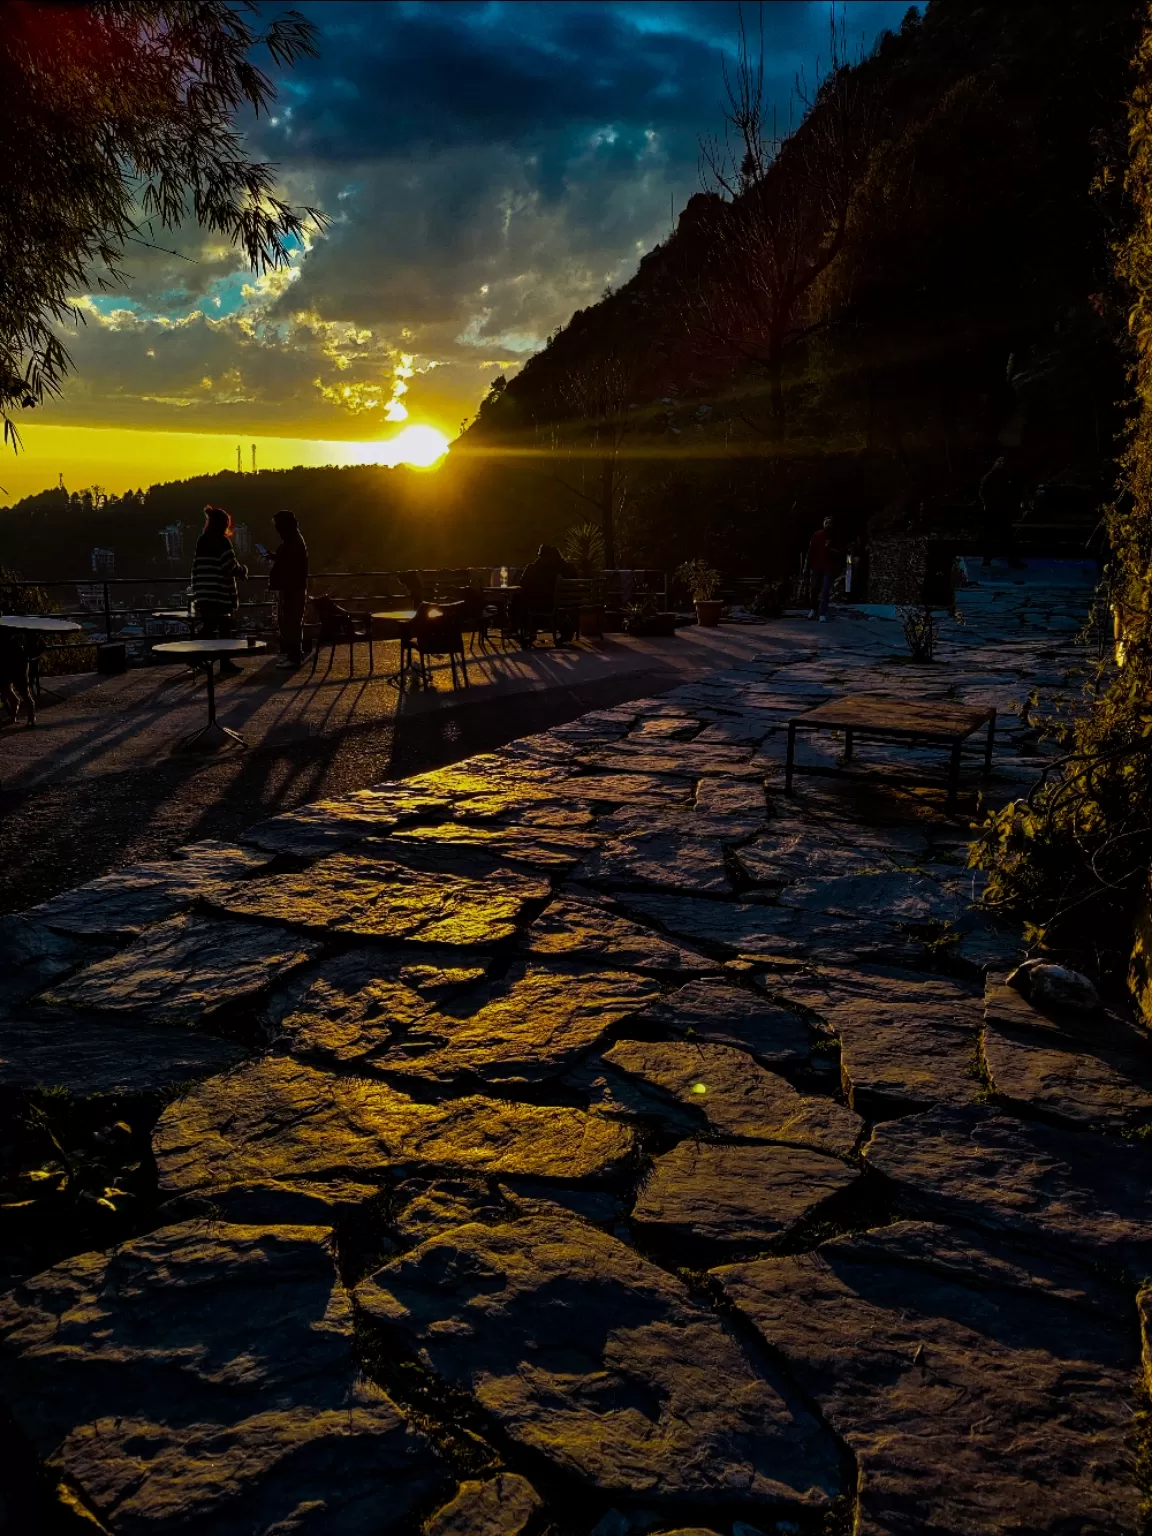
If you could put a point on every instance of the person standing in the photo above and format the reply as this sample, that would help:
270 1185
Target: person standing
214 572
288 578
821 569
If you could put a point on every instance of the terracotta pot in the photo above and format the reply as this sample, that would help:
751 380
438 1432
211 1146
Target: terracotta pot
708 611
591 622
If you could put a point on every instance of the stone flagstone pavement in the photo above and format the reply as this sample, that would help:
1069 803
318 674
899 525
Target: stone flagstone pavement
586 1138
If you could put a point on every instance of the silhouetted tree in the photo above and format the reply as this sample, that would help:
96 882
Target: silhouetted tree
787 199
586 438
113 114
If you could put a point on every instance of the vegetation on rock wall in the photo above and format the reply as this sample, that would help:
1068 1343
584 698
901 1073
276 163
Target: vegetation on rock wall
1074 859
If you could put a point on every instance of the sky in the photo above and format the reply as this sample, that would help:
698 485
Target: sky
486 168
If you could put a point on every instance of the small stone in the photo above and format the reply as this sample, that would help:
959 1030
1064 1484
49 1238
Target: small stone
737 1194
594 1358
712 1011
206 1378
1055 987
504 1506
279 1121
736 1096
1051 1188
181 971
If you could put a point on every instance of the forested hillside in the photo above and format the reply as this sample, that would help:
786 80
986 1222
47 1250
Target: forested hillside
956 187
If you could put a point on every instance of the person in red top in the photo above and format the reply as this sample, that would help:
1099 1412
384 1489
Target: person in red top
821 569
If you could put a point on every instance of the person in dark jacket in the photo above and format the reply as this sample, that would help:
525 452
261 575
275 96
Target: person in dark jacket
214 572
823 563
288 578
538 591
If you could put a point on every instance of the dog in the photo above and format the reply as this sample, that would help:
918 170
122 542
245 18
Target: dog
16 675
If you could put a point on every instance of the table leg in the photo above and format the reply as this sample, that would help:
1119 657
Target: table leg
213 723
991 740
790 759
953 777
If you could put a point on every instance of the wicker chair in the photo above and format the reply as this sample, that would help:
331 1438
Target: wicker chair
438 630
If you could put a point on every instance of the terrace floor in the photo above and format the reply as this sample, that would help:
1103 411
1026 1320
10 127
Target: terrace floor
584 1137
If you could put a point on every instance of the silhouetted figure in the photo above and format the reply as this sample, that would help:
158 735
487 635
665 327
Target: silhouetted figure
821 569
288 578
214 572
415 585
538 592
16 653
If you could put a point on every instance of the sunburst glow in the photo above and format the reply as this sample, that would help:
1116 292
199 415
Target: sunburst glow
419 446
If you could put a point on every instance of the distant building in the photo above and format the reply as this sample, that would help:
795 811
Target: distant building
103 562
242 538
173 537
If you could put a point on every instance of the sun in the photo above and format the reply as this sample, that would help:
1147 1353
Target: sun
421 447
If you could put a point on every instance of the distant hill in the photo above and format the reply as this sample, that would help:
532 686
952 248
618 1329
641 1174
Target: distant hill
358 518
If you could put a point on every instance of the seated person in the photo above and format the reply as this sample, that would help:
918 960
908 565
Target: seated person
538 589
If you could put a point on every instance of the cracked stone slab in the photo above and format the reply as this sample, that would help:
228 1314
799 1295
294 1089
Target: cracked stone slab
572 926
778 858
382 898
907 1040
734 1095
1091 1072
656 859
682 758
266 1202
1055 1189
124 903
503 1506
541 847
898 895
770 932
181 971
589 1355
611 788
32 956
532 1025
205 1379
97 1060
977 1392
726 1015
281 1121
737 1194
327 825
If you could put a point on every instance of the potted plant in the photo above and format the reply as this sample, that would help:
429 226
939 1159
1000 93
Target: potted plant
584 549
703 582
643 618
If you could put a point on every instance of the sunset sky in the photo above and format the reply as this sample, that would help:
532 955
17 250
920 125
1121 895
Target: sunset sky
487 169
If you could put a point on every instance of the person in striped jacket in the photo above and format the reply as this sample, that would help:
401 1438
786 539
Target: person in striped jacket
214 572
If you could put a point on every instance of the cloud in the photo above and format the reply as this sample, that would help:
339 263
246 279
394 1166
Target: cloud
488 168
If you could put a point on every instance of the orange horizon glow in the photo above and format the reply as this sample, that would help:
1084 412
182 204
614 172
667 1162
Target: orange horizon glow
127 458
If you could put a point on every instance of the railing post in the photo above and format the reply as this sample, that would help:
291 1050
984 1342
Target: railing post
107 614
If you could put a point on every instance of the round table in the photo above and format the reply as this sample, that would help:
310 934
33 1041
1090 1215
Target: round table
37 624
200 654
403 618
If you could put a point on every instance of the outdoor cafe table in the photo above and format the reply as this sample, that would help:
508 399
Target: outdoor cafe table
914 722
402 619
200 654
37 624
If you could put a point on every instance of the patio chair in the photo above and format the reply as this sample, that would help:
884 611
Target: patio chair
437 630
339 627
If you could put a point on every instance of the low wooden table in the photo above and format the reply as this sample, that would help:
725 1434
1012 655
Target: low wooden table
200 654
916 722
